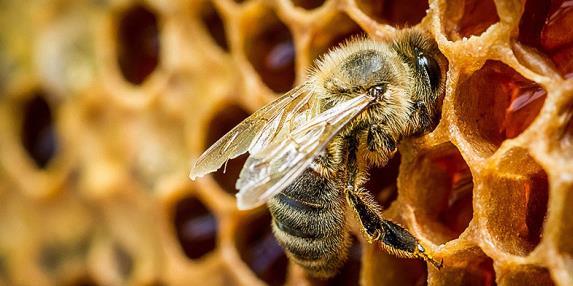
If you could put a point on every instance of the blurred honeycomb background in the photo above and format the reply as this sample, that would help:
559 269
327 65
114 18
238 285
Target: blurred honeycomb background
104 104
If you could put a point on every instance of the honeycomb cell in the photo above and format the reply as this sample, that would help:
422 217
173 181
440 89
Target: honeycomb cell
340 29
516 192
532 22
443 187
525 275
270 49
123 260
557 38
38 134
308 4
383 182
196 228
496 103
227 118
214 25
472 268
260 250
137 43
393 13
467 18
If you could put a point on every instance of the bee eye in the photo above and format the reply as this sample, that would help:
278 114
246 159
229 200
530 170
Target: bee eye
376 91
432 69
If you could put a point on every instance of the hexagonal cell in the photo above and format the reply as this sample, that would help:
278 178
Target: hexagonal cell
516 191
196 228
340 29
38 134
393 13
383 183
260 250
496 103
308 4
557 37
525 275
137 43
214 24
470 267
222 123
531 23
270 49
465 18
443 187
545 26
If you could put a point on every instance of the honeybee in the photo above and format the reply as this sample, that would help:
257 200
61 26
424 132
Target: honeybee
311 148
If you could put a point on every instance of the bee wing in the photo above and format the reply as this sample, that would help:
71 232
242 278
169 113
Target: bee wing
273 168
252 133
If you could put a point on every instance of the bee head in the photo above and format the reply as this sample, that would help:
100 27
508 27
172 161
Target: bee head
427 69
364 71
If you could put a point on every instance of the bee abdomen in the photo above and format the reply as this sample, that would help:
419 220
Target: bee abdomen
309 222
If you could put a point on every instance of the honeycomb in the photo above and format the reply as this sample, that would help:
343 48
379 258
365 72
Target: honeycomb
104 104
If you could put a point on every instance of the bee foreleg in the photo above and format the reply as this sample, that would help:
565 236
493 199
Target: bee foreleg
394 238
378 139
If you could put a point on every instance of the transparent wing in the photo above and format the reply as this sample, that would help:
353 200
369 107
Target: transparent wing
254 132
273 168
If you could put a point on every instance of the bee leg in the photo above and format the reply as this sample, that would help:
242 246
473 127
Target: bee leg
394 238
378 139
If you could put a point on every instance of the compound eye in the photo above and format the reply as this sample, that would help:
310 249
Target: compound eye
376 91
432 69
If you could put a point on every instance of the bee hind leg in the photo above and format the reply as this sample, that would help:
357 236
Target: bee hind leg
394 238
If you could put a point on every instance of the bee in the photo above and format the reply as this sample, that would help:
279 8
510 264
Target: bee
310 149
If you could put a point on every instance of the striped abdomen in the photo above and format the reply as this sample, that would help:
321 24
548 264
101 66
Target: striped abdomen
309 222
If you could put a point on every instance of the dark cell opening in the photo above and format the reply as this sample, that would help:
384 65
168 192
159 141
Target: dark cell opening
270 49
339 30
480 274
261 251
517 194
383 182
222 123
39 136
557 36
395 12
545 25
123 260
196 228
532 22
308 4
498 103
470 17
446 187
137 44
214 25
